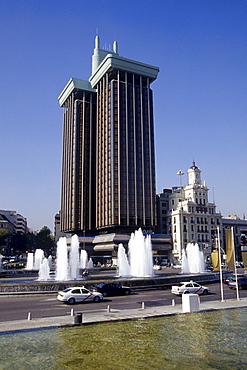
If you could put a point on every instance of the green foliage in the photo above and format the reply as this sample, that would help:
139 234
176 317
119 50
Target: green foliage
4 233
30 242
23 242
45 240
4 240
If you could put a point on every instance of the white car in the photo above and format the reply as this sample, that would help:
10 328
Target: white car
78 294
189 287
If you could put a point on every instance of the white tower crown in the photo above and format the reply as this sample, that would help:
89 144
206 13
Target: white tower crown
194 175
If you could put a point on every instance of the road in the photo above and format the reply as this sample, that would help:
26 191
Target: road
18 307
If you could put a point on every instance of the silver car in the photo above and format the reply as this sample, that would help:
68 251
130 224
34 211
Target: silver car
78 294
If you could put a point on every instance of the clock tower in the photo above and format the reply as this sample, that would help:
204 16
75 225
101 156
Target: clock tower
194 175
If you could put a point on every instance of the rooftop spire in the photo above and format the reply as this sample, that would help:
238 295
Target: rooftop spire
97 42
193 167
115 47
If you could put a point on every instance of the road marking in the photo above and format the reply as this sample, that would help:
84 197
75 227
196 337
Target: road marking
158 300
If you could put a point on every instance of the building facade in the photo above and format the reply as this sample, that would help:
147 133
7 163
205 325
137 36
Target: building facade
19 221
162 208
57 227
190 217
108 166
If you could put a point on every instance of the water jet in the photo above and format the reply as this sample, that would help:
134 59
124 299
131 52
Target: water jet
140 259
192 259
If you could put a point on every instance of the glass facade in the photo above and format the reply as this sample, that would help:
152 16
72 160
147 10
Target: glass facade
108 169
78 165
126 173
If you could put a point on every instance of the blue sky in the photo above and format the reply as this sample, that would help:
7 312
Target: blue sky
199 95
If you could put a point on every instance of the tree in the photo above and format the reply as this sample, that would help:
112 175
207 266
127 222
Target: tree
4 236
4 233
23 242
45 240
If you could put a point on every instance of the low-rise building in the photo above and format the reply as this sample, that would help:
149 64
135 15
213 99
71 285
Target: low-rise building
19 221
7 230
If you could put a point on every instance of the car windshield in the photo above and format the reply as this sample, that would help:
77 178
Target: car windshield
101 285
66 290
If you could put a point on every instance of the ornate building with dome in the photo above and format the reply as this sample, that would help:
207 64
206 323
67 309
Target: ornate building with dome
189 216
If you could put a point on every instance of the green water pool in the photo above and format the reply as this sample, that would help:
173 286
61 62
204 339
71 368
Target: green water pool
205 340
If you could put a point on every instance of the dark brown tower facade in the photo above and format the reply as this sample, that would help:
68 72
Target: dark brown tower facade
108 173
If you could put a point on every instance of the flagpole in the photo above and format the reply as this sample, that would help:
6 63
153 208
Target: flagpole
221 280
235 268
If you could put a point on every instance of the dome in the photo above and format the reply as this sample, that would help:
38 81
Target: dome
194 167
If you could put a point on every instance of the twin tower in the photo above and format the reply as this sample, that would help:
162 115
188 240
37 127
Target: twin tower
108 164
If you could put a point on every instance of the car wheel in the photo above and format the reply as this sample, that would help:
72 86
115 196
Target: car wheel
71 301
96 299
127 292
186 292
104 294
205 291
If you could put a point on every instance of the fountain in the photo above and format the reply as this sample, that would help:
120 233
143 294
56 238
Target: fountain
83 259
74 258
38 258
140 256
123 264
192 259
44 270
50 261
62 269
90 264
67 269
29 265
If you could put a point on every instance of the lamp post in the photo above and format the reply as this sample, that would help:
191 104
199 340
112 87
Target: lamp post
181 173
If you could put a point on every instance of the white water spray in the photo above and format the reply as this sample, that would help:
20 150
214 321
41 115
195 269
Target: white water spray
29 265
44 271
38 258
90 264
123 264
74 258
50 261
62 270
83 259
192 259
140 256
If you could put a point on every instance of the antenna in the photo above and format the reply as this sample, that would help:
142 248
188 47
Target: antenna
97 31
213 195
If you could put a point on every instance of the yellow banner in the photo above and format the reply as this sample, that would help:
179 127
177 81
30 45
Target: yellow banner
244 257
229 249
215 261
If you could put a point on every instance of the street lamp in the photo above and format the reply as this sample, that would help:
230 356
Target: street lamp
181 173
